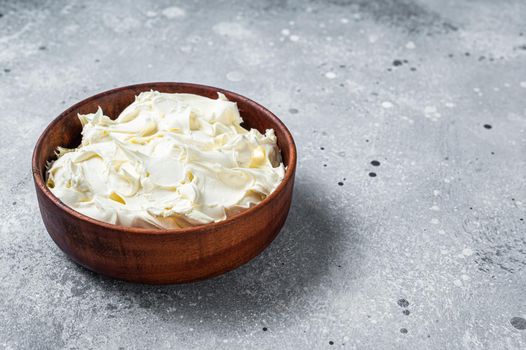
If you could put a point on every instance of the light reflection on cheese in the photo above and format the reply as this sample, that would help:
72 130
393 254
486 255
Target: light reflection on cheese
167 161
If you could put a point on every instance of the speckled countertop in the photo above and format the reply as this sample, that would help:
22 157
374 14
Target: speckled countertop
407 229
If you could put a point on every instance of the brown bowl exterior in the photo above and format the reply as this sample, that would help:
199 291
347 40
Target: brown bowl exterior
151 255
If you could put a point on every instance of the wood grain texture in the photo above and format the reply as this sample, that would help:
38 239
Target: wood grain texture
152 255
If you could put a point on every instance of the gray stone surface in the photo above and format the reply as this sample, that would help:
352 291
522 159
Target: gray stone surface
442 225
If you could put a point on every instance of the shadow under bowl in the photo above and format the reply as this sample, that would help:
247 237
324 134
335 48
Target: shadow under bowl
159 256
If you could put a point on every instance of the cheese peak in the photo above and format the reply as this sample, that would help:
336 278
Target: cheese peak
167 161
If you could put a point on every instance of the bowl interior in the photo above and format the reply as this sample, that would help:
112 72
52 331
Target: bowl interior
65 130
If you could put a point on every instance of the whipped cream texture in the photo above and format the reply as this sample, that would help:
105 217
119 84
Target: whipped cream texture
167 161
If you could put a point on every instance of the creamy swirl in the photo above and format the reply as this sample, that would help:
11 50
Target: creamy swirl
167 161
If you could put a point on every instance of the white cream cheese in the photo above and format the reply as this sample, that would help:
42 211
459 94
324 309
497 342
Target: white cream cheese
167 161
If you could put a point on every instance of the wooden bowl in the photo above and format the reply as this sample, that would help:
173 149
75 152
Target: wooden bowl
153 255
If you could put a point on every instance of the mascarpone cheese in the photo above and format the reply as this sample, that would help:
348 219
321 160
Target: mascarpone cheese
167 161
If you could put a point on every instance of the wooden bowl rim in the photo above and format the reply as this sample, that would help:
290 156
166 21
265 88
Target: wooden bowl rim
289 173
